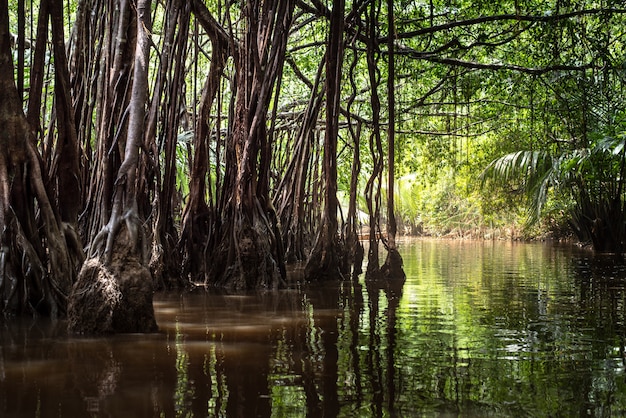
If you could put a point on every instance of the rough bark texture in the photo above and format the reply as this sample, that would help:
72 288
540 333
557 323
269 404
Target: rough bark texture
292 199
392 268
116 277
39 253
373 186
354 247
197 215
64 168
327 259
247 248
113 297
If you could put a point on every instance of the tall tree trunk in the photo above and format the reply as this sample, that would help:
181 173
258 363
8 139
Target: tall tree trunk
248 252
86 78
290 199
157 192
65 165
114 289
38 254
327 259
393 264
372 188
109 88
354 247
197 216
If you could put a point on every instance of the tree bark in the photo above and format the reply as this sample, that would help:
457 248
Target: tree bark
290 199
248 250
157 185
114 290
197 216
372 188
327 259
392 268
65 165
38 252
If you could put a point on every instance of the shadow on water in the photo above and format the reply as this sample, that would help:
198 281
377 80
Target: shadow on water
477 329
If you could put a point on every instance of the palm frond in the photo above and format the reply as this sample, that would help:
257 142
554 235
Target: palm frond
533 171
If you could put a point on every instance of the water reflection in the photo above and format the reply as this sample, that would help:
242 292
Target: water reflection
477 329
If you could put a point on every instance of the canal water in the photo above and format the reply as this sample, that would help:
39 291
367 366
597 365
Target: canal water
477 329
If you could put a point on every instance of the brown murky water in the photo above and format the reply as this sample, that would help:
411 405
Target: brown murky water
477 329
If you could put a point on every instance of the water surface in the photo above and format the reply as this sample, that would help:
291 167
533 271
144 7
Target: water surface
477 329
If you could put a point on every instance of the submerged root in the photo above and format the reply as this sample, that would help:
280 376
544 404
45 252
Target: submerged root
392 269
328 259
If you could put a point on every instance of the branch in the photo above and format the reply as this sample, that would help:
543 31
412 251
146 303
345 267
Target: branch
511 67
210 24
504 17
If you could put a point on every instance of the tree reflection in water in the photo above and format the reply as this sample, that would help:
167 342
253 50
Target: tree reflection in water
478 329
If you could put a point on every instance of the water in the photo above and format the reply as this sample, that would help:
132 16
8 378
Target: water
477 329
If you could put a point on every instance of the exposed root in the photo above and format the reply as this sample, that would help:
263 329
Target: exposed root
30 282
104 243
328 259
114 295
94 299
247 258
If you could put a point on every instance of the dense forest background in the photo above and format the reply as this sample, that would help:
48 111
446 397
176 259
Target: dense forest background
218 142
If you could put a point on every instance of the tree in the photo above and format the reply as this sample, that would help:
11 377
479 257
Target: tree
327 259
374 182
39 250
281 122
392 267
113 292
592 177
198 217
247 247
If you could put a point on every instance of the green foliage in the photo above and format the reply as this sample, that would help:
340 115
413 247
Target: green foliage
587 181
183 145
533 171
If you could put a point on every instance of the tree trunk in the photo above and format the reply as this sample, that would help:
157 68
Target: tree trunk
291 193
157 191
197 216
393 264
372 188
105 76
327 259
354 247
248 252
38 252
65 165
114 290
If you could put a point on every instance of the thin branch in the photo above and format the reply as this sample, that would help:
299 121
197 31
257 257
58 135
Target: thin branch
504 17
510 67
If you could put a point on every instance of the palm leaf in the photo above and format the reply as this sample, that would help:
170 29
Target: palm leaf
534 172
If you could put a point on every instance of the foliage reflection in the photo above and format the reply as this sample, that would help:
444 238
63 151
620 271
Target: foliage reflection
489 329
